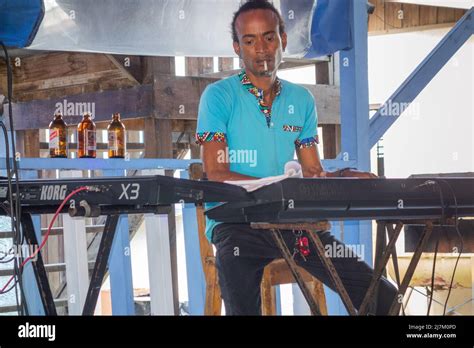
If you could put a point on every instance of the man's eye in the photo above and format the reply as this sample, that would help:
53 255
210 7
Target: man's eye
270 38
249 42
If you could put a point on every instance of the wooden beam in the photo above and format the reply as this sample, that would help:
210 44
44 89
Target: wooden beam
184 126
196 66
446 15
226 64
285 65
159 143
412 29
61 74
131 103
428 15
377 19
221 74
331 140
393 12
322 73
120 64
27 142
153 66
177 98
158 138
411 15
327 103
391 16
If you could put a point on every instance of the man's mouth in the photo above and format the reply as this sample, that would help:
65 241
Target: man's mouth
262 61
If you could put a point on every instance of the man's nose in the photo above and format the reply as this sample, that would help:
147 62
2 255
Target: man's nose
261 45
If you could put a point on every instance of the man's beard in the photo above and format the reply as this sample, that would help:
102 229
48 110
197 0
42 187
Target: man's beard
267 73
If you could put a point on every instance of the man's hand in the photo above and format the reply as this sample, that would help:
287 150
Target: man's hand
347 174
357 174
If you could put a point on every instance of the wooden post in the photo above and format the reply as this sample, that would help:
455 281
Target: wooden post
331 132
199 66
226 64
159 144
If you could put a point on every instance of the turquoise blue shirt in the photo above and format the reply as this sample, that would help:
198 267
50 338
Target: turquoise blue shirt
260 141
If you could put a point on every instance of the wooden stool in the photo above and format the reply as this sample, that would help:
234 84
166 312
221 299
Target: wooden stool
275 273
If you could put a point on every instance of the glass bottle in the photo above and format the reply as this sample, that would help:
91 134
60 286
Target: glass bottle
58 137
86 137
116 135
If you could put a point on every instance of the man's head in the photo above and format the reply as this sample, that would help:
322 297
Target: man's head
258 33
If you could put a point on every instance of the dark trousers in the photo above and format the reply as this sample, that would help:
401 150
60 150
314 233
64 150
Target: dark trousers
243 253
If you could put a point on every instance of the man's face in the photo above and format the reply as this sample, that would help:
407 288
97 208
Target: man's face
259 40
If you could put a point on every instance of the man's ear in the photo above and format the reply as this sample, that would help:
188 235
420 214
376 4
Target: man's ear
284 41
237 49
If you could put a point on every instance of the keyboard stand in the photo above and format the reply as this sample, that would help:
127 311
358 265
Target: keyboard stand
382 254
312 229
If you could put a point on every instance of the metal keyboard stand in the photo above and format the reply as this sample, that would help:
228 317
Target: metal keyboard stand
312 229
383 252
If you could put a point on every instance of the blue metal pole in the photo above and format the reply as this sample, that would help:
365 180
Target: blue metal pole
420 77
354 128
194 271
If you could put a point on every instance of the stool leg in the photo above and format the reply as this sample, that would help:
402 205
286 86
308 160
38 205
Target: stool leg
213 304
318 294
268 296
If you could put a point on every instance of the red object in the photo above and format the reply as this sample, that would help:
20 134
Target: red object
82 188
303 245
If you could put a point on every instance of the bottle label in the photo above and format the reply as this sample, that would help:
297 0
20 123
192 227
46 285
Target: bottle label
113 140
90 140
54 139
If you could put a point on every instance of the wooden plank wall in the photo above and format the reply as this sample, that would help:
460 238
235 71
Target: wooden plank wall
389 16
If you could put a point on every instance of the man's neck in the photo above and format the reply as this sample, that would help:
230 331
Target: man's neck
265 83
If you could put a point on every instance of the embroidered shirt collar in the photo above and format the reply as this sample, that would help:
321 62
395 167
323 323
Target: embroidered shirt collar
258 93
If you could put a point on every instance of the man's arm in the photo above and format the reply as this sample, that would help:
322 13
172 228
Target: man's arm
312 167
215 165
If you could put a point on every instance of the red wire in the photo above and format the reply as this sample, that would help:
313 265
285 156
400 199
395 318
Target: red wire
83 188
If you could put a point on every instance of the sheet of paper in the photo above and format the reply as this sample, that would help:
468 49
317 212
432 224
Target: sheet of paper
292 170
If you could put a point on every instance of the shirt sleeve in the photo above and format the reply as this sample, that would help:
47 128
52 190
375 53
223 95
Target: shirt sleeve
213 115
309 135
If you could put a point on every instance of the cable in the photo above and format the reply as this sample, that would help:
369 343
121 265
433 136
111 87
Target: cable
433 276
2 258
11 288
14 216
441 198
32 256
456 225
20 309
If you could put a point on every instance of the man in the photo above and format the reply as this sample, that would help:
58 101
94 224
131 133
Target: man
255 121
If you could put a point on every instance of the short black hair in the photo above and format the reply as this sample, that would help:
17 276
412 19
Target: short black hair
251 5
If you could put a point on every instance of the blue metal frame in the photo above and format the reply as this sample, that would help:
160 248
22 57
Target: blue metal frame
421 76
354 131
194 271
